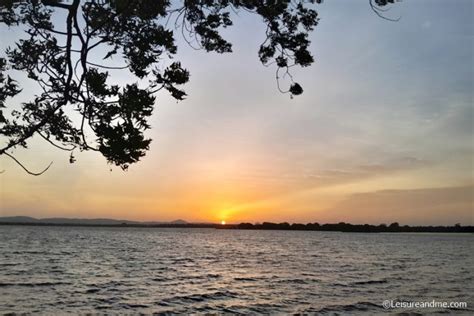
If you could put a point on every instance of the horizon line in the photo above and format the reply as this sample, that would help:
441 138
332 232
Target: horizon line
181 221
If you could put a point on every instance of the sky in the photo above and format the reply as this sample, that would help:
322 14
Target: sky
382 133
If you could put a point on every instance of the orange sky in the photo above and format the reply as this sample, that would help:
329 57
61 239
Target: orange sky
383 133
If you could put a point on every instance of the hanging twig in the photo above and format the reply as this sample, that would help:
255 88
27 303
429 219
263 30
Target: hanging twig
26 169
378 11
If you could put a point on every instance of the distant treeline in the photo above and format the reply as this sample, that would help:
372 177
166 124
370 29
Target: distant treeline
346 227
339 227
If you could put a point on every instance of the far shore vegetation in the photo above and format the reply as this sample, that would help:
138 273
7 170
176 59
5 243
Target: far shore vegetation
337 227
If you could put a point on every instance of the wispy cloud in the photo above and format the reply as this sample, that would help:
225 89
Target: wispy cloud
448 205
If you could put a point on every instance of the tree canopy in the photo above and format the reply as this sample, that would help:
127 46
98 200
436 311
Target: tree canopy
58 54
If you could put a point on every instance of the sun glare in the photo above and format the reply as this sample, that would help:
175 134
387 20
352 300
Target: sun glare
222 222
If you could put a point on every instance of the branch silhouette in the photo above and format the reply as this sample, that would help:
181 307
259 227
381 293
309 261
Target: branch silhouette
59 57
26 169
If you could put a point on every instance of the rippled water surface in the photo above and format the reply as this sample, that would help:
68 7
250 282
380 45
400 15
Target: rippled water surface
55 270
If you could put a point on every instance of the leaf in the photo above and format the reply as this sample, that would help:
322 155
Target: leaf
110 53
296 89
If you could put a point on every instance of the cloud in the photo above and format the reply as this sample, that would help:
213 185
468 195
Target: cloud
425 206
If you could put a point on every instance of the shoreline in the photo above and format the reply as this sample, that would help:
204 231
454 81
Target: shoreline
341 227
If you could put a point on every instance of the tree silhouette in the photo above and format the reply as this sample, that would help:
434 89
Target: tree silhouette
59 53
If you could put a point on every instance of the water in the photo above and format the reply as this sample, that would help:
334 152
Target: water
137 270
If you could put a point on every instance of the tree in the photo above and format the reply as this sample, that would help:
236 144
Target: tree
59 56
394 226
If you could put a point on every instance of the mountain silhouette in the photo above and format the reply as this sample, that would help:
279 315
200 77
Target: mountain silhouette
80 221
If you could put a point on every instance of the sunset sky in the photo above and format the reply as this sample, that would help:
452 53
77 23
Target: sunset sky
382 133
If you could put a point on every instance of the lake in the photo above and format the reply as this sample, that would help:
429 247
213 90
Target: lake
170 270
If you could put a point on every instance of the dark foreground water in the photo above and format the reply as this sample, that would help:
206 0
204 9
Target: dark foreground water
55 270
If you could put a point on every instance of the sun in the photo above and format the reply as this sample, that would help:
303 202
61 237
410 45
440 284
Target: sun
222 222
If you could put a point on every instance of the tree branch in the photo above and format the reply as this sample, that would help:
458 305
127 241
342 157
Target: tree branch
26 169
55 145
377 11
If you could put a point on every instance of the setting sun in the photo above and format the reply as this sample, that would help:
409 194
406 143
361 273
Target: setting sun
130 130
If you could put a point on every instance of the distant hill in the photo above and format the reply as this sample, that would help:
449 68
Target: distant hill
18 219
179 222
80 221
